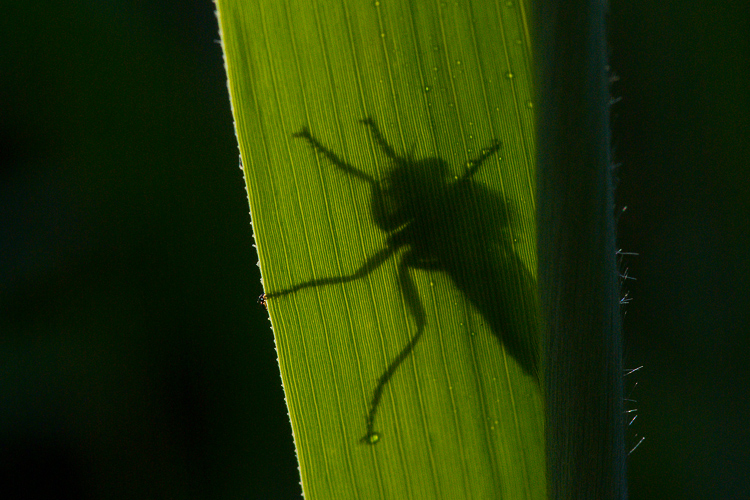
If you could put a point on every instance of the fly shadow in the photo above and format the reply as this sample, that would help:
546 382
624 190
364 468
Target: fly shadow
440 223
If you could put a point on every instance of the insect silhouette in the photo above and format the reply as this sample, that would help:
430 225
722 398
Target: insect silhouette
441 223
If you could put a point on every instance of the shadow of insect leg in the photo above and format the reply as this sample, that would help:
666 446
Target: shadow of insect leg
414 305
369 266
333 157
387 149
477 162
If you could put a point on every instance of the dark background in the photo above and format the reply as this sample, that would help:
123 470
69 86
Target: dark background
134 361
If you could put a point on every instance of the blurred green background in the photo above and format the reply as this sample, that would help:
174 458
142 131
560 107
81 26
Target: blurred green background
134 361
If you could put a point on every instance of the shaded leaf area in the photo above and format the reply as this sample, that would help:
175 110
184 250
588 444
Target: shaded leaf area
387 149
580 289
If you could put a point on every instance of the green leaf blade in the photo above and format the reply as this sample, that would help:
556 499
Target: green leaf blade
460 417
